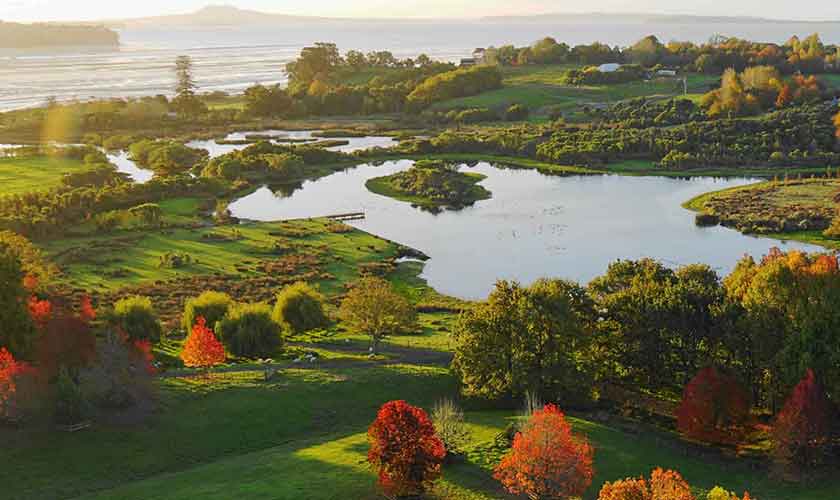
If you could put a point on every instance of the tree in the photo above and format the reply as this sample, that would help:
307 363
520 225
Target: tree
547 460
300 308
526 339
669 485
185 101
837 124
404 449
212 306
270 100
373 307
137 318
803 428
67 342
17 332
714 408
718 493
13 387
185 84
626 489
37 271
659 326
202 349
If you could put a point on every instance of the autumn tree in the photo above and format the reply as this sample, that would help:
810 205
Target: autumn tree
404 449
526 339
202 349
373 307
837 124
547 460
17 381
791 320
803 428
714 408
663 485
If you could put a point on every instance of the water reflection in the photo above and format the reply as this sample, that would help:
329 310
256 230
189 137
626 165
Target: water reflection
535 225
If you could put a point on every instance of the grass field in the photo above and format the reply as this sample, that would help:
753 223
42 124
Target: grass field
302 436
26 175
541 86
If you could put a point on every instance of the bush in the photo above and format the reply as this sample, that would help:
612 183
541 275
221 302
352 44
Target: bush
137 318
516 113
404 449
547 460
248 330
452 84
70 405
212 306
450 427
300 308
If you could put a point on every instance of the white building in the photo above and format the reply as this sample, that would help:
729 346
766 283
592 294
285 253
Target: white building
609 67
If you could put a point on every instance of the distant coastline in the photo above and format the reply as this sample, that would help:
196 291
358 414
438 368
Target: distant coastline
20 36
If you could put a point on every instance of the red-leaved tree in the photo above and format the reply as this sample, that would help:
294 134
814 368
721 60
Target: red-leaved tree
714 408
17 381
802 429
663 485
202 349
547 460
66 340
405 449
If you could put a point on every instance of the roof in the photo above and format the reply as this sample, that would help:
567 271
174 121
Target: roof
608 67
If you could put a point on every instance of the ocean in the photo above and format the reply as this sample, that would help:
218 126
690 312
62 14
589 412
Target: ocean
231 59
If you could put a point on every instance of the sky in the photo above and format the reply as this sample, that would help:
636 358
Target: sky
72 10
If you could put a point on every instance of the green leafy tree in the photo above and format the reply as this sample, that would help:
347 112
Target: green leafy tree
249 331
17 333
373 307
526 339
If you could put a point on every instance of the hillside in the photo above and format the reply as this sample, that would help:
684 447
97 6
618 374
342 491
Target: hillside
27 36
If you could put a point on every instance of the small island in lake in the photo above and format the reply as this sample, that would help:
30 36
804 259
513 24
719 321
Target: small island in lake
433 185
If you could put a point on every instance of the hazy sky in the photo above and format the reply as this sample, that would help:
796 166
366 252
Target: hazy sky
36 10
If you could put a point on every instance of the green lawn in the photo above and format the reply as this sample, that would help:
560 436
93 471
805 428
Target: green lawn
25 175
302 436
540 86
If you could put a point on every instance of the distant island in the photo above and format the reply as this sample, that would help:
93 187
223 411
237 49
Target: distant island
30 36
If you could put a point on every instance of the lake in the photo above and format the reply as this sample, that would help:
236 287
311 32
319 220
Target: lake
234 58
534 226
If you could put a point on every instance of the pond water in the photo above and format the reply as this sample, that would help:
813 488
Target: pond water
128 167
291 137
534 226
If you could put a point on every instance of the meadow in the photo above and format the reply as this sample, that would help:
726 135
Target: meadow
37 173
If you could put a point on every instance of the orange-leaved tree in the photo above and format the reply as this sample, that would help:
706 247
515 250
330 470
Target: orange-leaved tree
547 459
13 375
405 449
663 485
714 408
802 429
202 349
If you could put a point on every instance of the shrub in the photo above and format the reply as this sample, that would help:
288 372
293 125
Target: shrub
248 330
669 485
17 332
455 83
516 113
212 306
300 308
626 489
718 493
547 460
19 387
714 408
137 318
802 429
70 404
202 349
450 427
404 449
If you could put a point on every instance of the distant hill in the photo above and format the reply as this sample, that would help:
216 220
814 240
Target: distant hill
213 15
31 36
631 18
